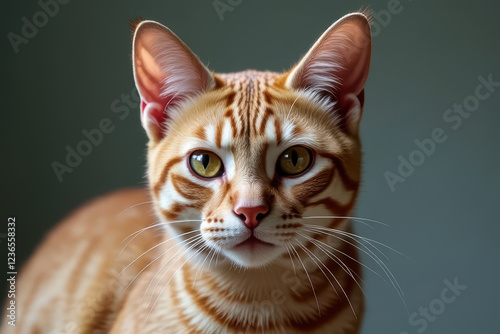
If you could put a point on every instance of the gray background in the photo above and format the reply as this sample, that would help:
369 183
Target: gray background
428 57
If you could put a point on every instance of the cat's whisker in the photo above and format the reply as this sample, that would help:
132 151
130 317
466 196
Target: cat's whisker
216 252
159 223
341 264
309 278
357 219
217 258
203 263
311 254
355 276
291 260
357 245
133 206
156 246
342 218
173 258
136 233
367 240
338 261
170 279
153 261
372 255
181 250
348 256
155 224
371 241
353 236
184 252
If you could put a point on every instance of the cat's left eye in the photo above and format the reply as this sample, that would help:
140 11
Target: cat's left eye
294 161
206 164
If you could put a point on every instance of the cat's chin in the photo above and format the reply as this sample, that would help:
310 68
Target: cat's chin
253 253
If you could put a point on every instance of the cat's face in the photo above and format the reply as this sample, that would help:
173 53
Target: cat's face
240 164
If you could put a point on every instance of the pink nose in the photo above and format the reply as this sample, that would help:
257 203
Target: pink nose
252 216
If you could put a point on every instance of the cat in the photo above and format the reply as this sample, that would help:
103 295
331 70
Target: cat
245 225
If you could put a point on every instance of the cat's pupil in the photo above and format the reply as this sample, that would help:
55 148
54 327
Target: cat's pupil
295 158
205 160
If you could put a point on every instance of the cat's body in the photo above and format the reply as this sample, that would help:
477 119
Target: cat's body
246 164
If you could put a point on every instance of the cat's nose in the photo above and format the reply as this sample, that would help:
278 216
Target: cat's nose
252 216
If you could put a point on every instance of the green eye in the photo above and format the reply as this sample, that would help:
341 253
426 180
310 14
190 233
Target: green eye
294 161
206 164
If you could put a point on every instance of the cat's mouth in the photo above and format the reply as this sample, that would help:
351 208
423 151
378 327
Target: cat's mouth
252 243
253 252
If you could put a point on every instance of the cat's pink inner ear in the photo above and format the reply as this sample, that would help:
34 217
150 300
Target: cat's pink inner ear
152 117
336 68
166 73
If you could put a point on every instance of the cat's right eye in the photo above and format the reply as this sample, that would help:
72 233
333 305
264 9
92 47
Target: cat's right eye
206 164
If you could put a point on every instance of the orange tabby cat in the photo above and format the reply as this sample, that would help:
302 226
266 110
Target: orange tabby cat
245 227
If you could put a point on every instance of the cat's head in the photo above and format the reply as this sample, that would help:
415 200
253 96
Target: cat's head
240 162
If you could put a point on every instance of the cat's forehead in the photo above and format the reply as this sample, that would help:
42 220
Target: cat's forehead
254 110
249 103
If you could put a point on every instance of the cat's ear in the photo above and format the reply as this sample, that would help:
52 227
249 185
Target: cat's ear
166 74
335 69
